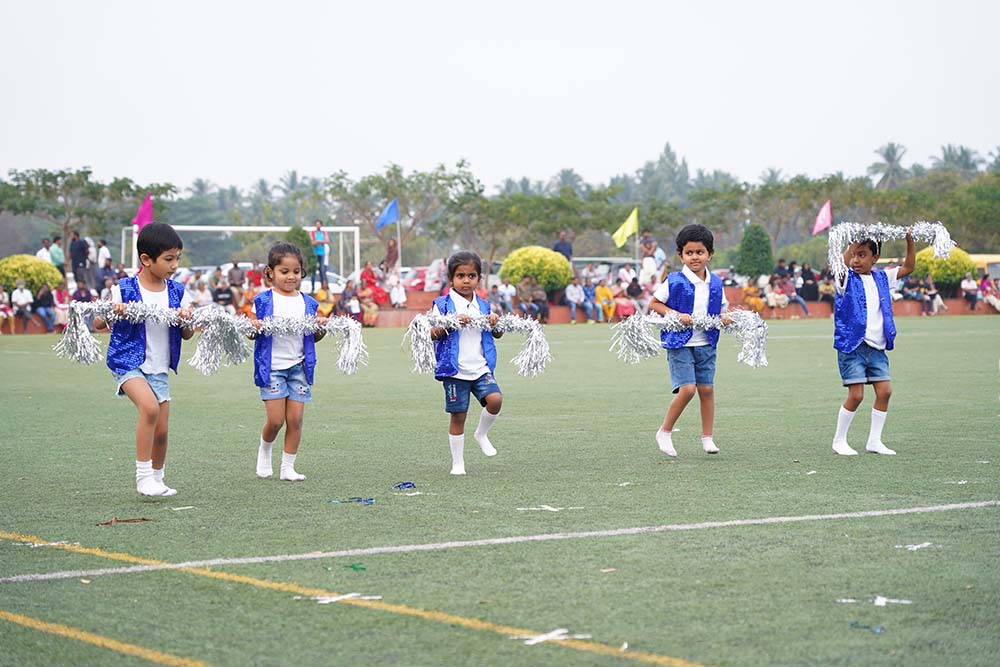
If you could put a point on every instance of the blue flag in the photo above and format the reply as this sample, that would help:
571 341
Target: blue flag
390 214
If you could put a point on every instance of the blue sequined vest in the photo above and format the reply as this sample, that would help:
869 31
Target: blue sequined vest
681 299
127 349
851 312
446 349
264 307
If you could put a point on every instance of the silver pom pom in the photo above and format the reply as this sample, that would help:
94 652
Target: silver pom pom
352 347
633 341
223 336
530 360
844 234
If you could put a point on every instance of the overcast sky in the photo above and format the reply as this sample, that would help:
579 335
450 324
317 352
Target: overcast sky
232 92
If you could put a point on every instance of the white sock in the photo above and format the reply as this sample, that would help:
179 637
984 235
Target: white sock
457 444
840 446
664 441
158 476
708 444
288 468
145 484
264 469
485 424
875 434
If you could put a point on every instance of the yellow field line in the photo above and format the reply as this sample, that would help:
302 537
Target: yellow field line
429 615
99 640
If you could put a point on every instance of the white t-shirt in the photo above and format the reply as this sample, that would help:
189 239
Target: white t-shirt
157 335
701 292
44 254
103 253
286 351
874 327
21 297
471 360
507 291
574 293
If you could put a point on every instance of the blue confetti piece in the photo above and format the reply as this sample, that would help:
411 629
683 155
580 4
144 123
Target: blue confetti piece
404 485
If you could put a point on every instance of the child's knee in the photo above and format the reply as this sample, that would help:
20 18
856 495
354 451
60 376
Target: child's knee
706 391
149 413
493 403
686 392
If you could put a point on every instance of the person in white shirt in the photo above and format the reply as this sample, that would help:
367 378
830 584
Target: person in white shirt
44 253
863 330
577 299
21 300
466 358
970 291
507 294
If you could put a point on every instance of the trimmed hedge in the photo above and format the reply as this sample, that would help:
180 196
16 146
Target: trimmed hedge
947 272
34 271
551 268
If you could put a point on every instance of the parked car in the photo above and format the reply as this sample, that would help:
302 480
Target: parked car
414 278
336 282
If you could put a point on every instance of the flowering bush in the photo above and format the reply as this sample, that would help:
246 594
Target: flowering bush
948 273
551 268
34 271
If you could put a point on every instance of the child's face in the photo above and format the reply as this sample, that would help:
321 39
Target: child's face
465 279
862 258
287 275
164 265
695 256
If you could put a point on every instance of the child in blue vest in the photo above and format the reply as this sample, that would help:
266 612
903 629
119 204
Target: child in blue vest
863 331
694 290
283 365
139 353
466 358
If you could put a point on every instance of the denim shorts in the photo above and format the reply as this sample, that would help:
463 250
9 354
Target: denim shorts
691 365
157 382
456 392
289 383
864 365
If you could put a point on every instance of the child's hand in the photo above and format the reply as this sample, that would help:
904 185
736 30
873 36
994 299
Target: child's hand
909 235
320 320
120 309
184 314
726 320
685 319
493 318
464 319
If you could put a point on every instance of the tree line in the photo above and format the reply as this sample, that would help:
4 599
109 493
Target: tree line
449 206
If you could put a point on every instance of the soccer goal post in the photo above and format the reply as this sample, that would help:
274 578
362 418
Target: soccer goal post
352 231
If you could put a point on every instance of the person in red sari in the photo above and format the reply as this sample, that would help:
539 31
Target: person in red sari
369 280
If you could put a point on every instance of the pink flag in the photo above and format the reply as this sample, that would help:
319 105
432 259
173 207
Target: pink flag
824 218
144 215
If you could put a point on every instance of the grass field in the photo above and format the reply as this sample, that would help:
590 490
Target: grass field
579 439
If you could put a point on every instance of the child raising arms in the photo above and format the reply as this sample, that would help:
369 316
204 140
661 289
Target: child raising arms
466 358
863 331
140 353
694 290
283 365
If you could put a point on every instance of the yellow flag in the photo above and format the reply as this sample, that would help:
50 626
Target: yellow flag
628 228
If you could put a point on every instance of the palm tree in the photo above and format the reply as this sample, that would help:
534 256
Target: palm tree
290 183
568 178
891 167
201 187
995 164
771 176
958 158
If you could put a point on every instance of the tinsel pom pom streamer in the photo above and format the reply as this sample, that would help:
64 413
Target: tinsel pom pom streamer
846 233
633 341
530 360
223 335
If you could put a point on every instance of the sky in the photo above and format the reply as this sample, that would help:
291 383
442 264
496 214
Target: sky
237 91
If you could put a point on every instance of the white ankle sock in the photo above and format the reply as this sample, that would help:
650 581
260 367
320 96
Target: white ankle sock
264 469
288 468
485 424
457 444
145 484
875 434
665 442
840 446
708 444
158 476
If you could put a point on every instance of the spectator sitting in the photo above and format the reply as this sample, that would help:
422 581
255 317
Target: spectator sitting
751 297
624 306
345 298
202 297
107 271
605 299
106 292
626 274
933 295
576 298
495 301
970 291
62 299
524 302
45 307
121 273
507 294
21 299
191 285
911 289
247 308
369 309
84 295
634 292
780 270
6 312
215 279
773 295
324 299
810 286
224 297
397 293
788 289
827 291
590 296
540 300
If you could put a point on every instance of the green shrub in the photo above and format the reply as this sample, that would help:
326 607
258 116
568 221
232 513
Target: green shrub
948 273
34 271
755 257
551 268
301 238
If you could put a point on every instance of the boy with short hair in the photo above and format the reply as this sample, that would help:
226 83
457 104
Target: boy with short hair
692 291
863 331
140 353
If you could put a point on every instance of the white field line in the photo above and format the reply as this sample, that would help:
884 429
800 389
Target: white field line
546 537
